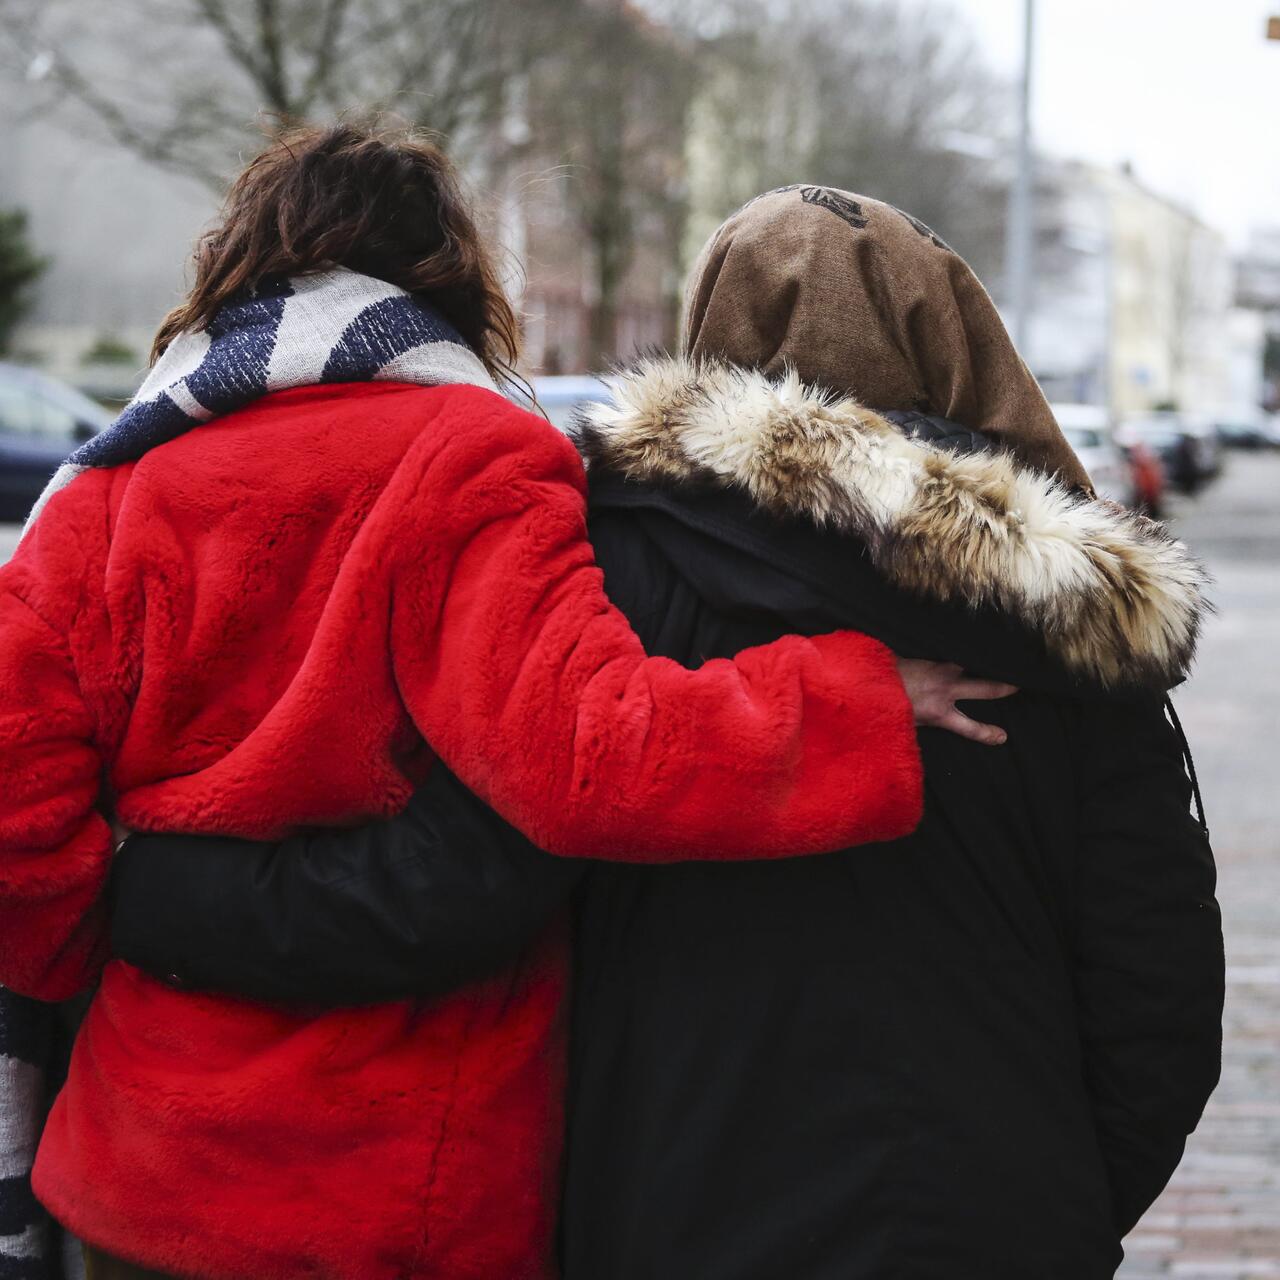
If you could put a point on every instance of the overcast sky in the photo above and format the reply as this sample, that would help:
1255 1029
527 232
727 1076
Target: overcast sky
1189 90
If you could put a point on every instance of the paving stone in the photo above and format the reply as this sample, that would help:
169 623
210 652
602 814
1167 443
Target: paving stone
1220 1216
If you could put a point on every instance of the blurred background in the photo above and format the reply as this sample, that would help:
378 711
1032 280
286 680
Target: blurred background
1112 172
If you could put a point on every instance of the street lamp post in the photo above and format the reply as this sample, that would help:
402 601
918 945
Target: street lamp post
1018 241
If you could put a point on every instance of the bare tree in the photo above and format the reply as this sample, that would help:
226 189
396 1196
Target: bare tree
613 105
183 83
891 100
20 268
664 115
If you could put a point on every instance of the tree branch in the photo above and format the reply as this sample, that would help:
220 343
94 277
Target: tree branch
335 17
270 41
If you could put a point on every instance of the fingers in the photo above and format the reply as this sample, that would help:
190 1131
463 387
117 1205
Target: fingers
989 735
981 690
935 687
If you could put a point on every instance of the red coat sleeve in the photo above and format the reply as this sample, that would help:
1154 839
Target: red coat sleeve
536 692
55 848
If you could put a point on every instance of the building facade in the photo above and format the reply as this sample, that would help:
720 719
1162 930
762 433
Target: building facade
1136 312
1258 297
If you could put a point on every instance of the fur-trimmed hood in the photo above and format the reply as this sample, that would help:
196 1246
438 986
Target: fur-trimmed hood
1117 600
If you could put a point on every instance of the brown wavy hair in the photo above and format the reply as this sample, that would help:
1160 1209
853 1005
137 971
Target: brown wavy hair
386 204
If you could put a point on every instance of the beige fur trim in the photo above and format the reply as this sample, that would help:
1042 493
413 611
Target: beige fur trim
1117 599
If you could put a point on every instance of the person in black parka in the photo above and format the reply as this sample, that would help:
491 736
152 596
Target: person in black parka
975 1052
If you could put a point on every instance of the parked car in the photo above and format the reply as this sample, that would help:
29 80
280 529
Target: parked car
1188 447
1244 427
41 422
1208 445
1088 431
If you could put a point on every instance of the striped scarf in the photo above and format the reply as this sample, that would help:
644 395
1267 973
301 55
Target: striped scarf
34 1039
335 326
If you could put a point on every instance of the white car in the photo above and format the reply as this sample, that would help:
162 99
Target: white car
1088 431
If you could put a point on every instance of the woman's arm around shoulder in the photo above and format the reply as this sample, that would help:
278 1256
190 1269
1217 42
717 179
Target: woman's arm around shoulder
535 690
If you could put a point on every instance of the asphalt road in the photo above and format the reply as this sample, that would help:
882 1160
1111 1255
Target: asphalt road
1220 1218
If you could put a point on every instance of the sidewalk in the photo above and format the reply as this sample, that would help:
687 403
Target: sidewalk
1220 1218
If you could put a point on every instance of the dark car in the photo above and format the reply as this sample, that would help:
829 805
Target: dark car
41 422
1244 427
1188 447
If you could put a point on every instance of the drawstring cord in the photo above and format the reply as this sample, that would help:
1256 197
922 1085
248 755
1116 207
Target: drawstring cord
1189 763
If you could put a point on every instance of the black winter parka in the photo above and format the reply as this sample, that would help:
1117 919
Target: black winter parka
975 1052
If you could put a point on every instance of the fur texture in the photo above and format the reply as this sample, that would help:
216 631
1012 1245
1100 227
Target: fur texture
259 626
1117 599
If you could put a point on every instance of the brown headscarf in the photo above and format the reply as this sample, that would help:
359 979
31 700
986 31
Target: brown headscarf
864 300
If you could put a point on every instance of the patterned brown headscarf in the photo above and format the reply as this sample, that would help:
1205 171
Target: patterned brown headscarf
864 300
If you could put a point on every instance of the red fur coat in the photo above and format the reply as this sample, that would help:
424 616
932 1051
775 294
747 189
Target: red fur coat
255 628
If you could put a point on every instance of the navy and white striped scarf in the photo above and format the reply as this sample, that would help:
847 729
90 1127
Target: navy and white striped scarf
34 1039
335 326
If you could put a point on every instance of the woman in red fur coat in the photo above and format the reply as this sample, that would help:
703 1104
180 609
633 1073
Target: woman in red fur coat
317 542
